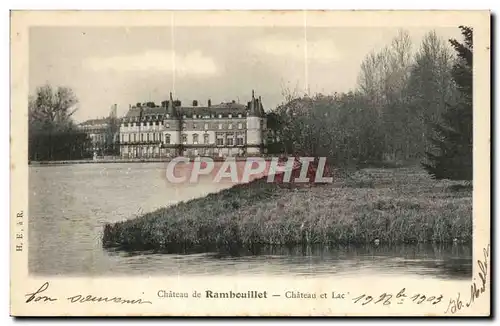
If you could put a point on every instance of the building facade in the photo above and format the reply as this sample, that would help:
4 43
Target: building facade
169 130
97 131
102 132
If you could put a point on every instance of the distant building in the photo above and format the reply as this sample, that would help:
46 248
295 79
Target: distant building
225 129
103 135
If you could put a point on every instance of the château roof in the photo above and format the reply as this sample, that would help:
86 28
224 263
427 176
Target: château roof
222 108
94 122
174 108
136 111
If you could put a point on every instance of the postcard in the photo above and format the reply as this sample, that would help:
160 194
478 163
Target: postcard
250 163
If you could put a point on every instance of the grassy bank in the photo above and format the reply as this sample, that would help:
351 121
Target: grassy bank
392 205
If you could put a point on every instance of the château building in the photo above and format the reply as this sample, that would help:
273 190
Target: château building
169 130
102 133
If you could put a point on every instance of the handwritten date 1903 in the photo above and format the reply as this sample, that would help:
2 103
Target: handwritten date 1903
387 299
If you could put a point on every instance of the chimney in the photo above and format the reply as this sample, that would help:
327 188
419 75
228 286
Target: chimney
209 102
195 103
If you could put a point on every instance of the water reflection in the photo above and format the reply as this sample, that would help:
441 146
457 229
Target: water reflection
454 261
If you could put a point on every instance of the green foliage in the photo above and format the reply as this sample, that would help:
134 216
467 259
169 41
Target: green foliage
451 157
341 127
406 104
52 134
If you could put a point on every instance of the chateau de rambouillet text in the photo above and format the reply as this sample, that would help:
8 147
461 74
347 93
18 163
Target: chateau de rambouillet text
242 295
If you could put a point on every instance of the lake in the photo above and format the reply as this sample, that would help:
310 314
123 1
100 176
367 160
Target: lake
70 204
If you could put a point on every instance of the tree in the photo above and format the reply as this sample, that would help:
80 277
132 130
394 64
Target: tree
343 127
52 108
52 135
452 155
430 87
382 80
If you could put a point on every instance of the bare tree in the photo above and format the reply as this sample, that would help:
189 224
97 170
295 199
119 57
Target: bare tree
52 108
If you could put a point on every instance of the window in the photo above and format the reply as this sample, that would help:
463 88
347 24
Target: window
194 125
230 115
239 115
157 123
240 126
220 139
167 138
205 139
206 126
220 125
122 138
183 116
230 126
147 137
135 139
184 138
239 139
168 115
167 125
195 139
230 139
194 116
161 137
184 125
142 137
220 115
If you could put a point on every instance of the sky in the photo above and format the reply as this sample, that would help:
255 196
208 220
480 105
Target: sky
126 65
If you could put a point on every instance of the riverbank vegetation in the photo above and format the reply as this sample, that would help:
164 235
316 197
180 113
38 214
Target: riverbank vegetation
413 103
410 108
389 206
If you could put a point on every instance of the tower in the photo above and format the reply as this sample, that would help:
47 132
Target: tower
112 111
172 128
254 132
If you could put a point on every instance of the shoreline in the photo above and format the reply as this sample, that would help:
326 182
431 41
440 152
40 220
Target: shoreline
108 161
372 206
